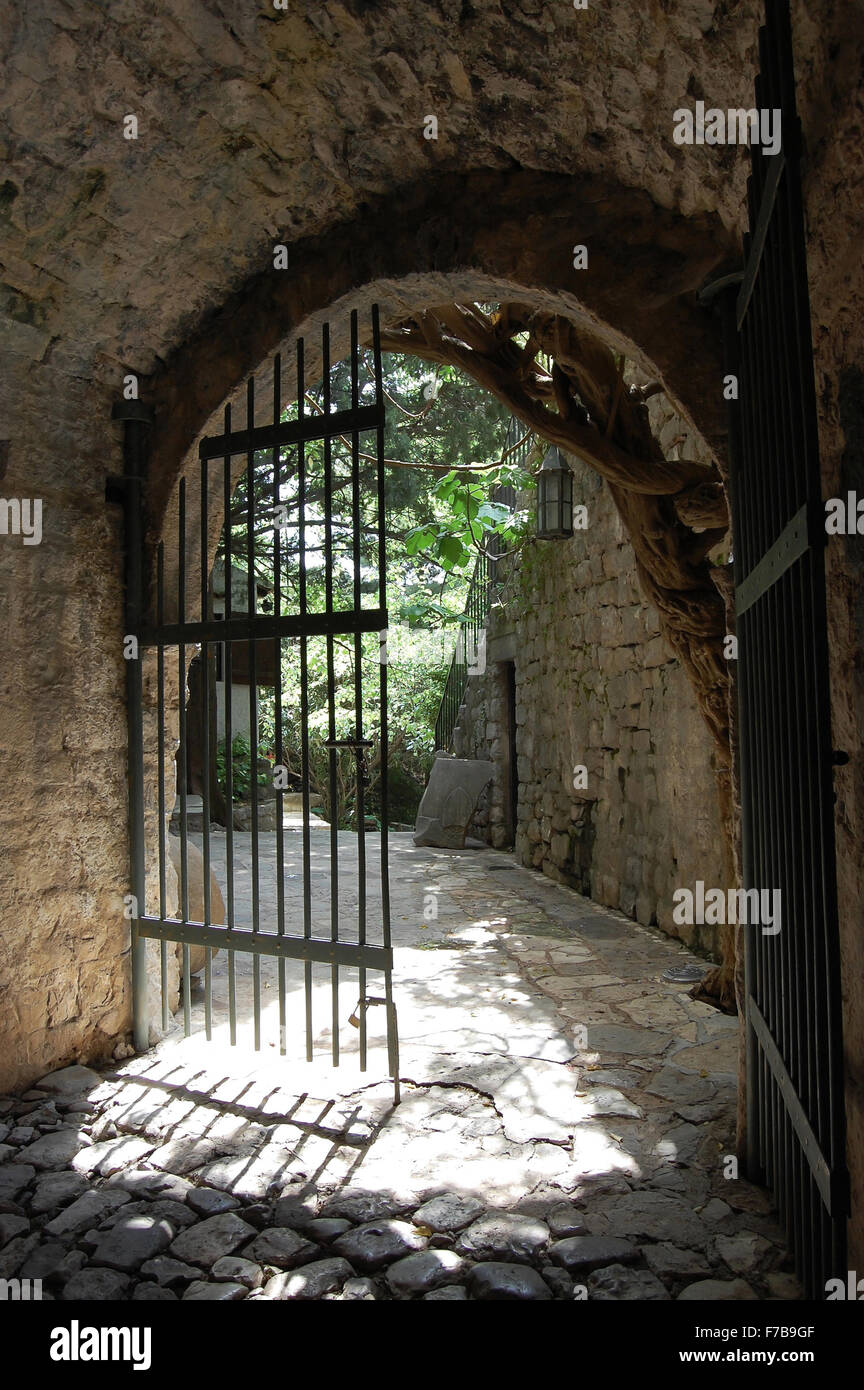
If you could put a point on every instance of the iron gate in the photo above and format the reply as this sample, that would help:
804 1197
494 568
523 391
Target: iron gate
303 535
795 1107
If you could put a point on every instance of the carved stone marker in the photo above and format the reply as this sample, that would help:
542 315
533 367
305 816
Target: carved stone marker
450 800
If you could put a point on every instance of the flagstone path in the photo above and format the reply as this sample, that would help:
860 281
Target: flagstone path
566 1128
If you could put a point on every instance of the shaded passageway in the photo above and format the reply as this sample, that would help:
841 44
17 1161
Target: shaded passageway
188 195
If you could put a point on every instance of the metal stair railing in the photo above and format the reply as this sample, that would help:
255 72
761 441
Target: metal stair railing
466 650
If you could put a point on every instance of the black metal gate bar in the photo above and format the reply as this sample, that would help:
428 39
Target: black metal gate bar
305 429
261 943
243 628
205 748
259 633
160 751
252 608
795 1116
358 681
304 685
276 463
389 1003
227 686
331 698
183 771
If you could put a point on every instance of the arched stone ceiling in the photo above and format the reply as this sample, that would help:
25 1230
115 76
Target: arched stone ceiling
258 125
491 236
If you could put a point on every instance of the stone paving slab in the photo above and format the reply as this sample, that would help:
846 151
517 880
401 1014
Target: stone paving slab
565 1120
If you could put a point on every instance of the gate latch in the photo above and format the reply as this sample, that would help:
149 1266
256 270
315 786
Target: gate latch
359 746
361 1007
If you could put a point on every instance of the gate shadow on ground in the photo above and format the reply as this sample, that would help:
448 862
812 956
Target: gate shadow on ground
247 1171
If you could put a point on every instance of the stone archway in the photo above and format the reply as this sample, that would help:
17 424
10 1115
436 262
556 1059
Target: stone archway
498 238
455 238
264 126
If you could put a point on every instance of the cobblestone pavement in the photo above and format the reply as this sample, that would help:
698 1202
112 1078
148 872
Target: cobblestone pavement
565 1128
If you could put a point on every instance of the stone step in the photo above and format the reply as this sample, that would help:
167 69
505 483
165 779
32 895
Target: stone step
293 801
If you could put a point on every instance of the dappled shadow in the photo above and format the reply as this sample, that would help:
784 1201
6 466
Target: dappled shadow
173 1150
547 1073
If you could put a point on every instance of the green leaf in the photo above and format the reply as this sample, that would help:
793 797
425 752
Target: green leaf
420 538
493 512
446 486
450 551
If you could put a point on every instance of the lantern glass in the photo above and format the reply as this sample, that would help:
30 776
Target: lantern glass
554 497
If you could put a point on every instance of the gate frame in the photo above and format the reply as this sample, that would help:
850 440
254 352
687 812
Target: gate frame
130 491
776 1117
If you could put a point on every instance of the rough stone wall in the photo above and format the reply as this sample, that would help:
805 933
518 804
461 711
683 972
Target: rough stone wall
64 867
64 864
597 687
482 733
257 126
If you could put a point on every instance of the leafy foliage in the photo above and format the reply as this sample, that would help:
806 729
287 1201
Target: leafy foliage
444 441
241 764
469 520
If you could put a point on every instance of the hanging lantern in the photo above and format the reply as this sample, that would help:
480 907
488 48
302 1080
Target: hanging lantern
554 496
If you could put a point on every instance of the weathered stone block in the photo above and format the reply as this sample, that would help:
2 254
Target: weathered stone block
450 800
559 849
